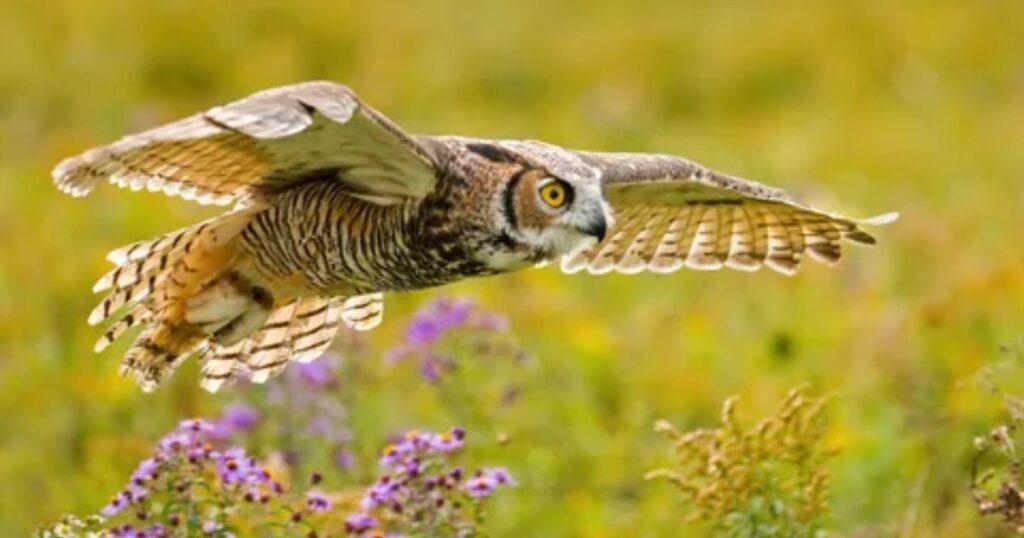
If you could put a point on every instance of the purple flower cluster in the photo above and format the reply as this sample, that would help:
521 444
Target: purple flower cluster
317 502
190 466
422 491
181 458
443 315
432 323
435 319
193 485
234 466
360 524
415 446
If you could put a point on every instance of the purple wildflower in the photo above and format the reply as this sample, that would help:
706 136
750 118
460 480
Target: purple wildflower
500 475
174 443
394 455
183 459
317 502
237 417
127 531
196 454
421 485
234 466
136 493
190 434
450 441
487 480
115 506
479 486
429 325
197 428
383 492
437 318
359 523
422 331
416 444
146 470
317 374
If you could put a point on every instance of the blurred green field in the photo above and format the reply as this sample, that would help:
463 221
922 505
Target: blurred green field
862 107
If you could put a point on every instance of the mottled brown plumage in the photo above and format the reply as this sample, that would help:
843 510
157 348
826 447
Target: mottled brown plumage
335 205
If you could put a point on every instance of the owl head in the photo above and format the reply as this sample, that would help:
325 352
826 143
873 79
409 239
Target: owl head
547 199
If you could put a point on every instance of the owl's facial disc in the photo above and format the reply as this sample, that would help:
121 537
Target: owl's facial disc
555 215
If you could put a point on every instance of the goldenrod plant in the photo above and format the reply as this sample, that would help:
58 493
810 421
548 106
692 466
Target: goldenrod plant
769 479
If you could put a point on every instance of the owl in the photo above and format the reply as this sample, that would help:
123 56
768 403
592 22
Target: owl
332 205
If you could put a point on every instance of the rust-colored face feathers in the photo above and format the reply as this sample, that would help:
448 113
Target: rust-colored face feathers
539 200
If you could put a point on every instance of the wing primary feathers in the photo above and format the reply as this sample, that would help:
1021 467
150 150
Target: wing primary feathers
718 220
228 152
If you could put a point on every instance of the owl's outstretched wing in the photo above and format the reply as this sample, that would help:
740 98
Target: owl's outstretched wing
672 213
260 144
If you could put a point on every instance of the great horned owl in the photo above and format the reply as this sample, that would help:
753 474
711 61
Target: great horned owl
333 205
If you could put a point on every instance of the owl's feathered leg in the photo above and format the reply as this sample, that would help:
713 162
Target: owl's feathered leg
183 288
229 309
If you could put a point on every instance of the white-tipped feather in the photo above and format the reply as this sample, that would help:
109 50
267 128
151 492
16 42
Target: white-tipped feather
96 316
363 312
879 220
172 188
211 385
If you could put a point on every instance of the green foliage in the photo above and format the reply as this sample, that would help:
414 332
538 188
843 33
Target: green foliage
862 107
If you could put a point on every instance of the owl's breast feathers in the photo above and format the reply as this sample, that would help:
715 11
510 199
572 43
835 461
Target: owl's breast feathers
318 237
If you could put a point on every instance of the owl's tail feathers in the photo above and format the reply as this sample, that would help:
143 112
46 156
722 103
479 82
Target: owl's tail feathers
183 288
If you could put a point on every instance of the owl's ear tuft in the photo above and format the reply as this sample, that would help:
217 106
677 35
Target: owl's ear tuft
493 153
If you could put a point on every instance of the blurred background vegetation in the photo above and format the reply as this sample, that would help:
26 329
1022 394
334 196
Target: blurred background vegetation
861 107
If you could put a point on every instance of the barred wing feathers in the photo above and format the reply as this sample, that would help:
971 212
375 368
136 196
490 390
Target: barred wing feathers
262 143
673 213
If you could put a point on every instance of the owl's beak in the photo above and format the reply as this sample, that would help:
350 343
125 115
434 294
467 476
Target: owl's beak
598 227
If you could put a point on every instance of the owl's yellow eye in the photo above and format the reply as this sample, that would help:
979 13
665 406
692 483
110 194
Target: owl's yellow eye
555 194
